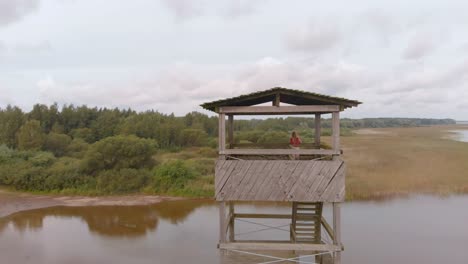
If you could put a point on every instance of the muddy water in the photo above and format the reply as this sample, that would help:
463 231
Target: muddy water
420 229
460 135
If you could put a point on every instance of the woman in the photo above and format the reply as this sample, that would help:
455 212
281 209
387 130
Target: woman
295 141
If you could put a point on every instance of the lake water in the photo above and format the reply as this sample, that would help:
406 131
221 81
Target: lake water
460 135
420 229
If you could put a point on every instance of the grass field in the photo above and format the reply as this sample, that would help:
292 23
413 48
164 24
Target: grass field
398 161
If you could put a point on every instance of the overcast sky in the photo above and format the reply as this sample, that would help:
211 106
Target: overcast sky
400 58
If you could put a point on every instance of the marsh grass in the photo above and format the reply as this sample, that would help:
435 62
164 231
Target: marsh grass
400 161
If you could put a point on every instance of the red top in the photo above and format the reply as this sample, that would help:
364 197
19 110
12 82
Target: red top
295 141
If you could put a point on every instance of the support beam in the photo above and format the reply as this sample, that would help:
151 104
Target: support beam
272 245
276 101
222 223
231 222
328 228
278 110
318 130
231 131
222 132
337 231
336 131
267 216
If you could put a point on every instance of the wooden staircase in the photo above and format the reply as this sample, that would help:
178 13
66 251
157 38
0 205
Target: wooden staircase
306 222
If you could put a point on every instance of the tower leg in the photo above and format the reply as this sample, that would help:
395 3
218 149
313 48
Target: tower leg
222 222
231 222
337 231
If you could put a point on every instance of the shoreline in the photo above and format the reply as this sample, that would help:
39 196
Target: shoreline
13 202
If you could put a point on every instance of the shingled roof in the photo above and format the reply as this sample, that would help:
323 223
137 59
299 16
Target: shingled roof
288 96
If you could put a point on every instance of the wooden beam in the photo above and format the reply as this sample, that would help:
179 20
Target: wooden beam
276 101
272 216
337 231
328 228
231 131
231 222
278 246
279 152
318 130
336 131
222 132
222 223
278 110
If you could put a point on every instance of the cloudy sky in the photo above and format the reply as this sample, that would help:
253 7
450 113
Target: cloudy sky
400 58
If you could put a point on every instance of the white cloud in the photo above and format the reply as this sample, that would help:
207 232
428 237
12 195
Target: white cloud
402 91
14 10
314 37
32 48
419 46
380 24
186 9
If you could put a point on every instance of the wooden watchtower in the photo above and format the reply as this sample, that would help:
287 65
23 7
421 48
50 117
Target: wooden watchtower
269 174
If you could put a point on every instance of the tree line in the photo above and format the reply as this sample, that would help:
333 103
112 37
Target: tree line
81 149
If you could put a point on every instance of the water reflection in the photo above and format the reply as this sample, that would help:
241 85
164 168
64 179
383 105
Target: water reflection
118 221
421 229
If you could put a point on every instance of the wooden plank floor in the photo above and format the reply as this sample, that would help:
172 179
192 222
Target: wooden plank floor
280 180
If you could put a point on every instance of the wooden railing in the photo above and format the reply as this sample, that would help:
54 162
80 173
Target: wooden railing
267 152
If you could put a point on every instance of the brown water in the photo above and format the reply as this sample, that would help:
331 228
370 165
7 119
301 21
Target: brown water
420 229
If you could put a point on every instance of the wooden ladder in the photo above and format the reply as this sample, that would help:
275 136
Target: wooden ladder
306 222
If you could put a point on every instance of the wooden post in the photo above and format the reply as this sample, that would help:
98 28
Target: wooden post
276 101
231 131
337 231
317 130
231 222
336 131
222 132
222 222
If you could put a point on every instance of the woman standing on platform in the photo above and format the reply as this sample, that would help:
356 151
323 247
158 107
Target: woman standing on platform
295 141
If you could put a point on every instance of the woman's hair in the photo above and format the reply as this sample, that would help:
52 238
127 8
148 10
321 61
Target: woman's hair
294 134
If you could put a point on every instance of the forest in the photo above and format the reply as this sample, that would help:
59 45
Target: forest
89 150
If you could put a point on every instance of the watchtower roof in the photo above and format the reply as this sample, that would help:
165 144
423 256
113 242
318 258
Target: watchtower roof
288 96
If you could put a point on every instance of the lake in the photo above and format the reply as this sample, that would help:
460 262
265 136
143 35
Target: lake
418 229
460 135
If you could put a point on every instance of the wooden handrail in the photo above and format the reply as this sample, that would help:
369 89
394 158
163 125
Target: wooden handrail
267 152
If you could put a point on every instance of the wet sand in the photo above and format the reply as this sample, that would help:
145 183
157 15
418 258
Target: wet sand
12 202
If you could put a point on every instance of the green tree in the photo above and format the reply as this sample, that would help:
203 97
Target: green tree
193 137
106 123
57 143
30 136
120 152
11 119
83 133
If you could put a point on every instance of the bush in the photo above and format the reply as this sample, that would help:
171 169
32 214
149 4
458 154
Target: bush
65 173
122 181
57 143
173 175
42 159
252 136
192 137
274 137
77 148
202 166
119 152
